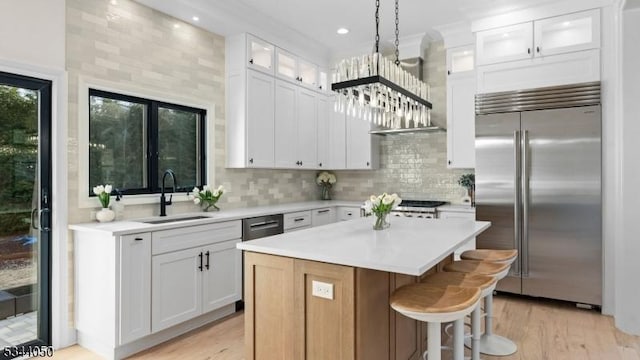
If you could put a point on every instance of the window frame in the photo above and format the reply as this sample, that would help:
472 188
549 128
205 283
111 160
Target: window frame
152 144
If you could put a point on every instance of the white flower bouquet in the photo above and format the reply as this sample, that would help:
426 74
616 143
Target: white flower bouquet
326 180
207 198
104 194
381 206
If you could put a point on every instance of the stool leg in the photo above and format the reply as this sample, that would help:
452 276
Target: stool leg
458 339
488 309
475 333
490 343
433 341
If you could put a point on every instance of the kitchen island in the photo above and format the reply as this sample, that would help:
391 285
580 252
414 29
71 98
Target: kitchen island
323 293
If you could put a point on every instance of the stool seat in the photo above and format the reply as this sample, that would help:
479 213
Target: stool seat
490 255
426 298
461 279
477 267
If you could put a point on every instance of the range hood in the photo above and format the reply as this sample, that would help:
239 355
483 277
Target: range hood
414 66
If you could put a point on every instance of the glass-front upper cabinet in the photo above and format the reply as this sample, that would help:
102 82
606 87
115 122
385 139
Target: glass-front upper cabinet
572 32
261 54
507 43
460 59
307 73
286 65
323 80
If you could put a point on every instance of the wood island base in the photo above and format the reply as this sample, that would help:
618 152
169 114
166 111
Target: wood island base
284 321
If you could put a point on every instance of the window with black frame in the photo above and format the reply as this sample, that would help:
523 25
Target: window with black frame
132 141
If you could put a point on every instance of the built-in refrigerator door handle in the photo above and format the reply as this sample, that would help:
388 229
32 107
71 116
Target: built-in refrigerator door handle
517 204
526 167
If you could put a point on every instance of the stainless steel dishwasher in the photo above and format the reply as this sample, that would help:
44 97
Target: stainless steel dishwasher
256 228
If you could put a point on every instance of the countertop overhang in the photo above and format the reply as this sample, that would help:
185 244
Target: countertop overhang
410 246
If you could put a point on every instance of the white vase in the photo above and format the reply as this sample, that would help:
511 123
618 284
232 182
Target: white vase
105 215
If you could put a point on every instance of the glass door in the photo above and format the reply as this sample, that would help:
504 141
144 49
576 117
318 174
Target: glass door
25 216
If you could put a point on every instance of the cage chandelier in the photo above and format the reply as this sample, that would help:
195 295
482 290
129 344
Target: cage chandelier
377 89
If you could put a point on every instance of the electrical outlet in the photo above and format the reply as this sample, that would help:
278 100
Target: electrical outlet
322 289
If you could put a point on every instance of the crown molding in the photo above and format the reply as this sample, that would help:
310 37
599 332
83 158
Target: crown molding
456 34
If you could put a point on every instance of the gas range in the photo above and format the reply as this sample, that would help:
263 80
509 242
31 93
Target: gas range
424 209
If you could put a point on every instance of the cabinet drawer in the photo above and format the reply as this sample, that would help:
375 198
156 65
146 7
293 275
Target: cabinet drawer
188 237
348 213
297 219
323 216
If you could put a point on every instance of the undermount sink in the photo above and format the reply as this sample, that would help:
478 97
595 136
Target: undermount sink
169 220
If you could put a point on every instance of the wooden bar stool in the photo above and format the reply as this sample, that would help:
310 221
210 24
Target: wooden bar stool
499 256
486 284
490 343
434 305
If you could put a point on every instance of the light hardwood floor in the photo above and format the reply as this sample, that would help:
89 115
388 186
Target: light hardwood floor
543 330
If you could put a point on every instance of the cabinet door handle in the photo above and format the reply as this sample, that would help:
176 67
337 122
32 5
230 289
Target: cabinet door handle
448 72
368 163
449 162
138 239
300 163
251 161
349 214
207 264
251 61
538 49
528 50
323 211
320 164
300 78
298 219
200 256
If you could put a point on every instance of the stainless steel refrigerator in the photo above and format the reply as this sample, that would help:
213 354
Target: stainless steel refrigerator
538 180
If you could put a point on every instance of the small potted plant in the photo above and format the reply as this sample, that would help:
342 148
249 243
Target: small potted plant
468 181
104 195
381 206
207 198
325 180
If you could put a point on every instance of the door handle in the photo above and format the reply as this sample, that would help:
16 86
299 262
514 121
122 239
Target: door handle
517 204
298 219
207 264
526 159
37 214
200 256
323 211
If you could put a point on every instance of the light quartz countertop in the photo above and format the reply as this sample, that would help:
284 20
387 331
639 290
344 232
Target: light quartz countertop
410 246
124 227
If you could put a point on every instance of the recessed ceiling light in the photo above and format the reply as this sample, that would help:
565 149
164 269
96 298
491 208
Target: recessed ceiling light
177 26
195 18
505 35
566 23
343 31
114 2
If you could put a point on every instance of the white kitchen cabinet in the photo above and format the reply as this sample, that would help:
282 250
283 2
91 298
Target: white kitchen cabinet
222 275
293 68
502 44
194 270
337 138
323 216
461 88
250 120
260 54
296 132
176 288
542 37
567 33
296 221
346 213
135 287
260 120
460 60
362 147
323 135
469 245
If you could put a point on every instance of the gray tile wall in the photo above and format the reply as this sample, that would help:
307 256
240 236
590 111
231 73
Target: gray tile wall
414 166
134 45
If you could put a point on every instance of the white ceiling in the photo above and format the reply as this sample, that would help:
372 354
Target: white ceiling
314 23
